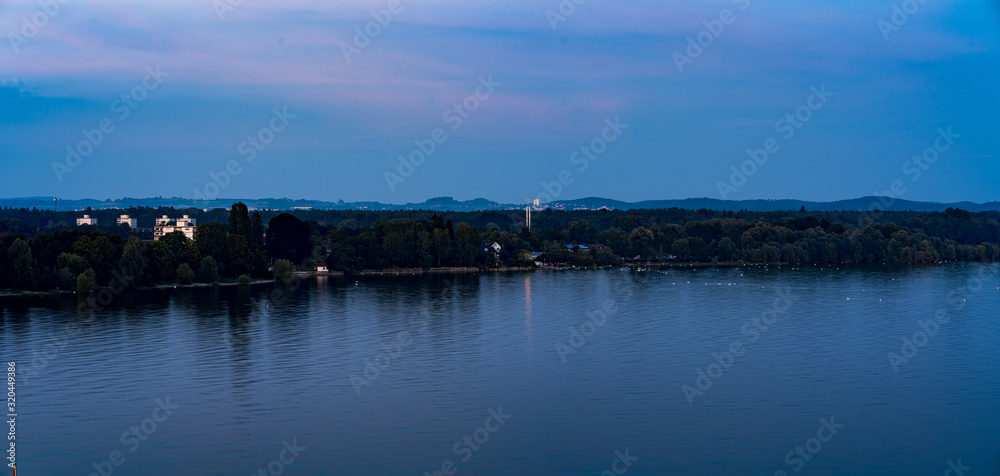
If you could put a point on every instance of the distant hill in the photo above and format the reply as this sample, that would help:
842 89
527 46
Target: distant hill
450 204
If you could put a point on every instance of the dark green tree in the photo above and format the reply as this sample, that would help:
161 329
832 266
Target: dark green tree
184 275
239 220
22 264
86 282
162 264
208 270
256 236
100 252
287 238
242 260
133 263
212 239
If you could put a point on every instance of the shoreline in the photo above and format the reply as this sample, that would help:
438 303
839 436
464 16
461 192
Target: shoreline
473 270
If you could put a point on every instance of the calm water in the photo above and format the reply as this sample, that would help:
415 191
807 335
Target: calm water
251 369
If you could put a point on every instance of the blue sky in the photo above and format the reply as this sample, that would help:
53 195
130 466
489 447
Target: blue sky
347 118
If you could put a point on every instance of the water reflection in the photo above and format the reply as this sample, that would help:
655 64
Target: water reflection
254 369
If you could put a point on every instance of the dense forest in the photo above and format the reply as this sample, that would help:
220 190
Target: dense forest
43 250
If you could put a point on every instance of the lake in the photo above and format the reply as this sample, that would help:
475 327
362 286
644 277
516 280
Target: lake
864 371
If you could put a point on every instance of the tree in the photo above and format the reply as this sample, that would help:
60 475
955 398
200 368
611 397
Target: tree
256 236
211 239
74 263
699 250
628 222
727 249
468 244
133 262
287 238
239 220
582 231
241 259
100 252
442 247
21 264
681 249
86 281
189 254
161 262
185 274
175 241
639 242
208 271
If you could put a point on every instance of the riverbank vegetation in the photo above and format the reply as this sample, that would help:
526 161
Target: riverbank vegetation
38 254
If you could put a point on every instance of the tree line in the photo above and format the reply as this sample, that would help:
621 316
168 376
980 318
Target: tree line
241 246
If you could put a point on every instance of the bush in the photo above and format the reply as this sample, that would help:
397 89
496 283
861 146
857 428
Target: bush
283 270
185 274
86 281
243 279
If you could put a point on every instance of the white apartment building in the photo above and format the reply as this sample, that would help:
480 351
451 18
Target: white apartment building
86 220
166 225
132 222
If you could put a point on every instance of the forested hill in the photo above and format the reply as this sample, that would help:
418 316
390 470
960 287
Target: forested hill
481 204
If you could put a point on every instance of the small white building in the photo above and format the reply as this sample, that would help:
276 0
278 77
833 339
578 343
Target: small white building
132 222
186 221
86 220
491 247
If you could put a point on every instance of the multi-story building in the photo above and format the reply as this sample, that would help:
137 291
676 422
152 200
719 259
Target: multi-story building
165 225
86 220
132 222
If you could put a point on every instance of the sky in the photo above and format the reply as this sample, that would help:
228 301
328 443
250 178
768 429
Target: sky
511 100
